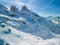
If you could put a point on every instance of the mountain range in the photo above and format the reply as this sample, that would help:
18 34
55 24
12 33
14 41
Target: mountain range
25 27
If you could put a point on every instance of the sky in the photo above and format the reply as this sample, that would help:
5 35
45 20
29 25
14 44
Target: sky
41 7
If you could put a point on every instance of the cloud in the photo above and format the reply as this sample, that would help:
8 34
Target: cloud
29 4
16 3
21 3
47 5
30 1
50 2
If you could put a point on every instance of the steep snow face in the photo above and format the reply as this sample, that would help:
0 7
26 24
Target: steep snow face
22 38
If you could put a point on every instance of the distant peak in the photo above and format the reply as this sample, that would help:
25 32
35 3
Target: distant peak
24 8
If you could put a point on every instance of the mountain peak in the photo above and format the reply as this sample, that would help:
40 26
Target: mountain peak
24 8
24 11
14 8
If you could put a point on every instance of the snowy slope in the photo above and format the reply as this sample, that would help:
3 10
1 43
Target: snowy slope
25 26
21 38
55 20
56 24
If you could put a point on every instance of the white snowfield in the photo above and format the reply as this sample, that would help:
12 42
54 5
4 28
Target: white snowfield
16 37
8 17
56 22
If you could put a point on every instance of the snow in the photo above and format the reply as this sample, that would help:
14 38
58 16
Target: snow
23 38
35 29
55 22
3 28
22 19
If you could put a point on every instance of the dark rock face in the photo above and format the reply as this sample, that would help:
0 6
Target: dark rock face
14 8
24 11
7 32
7 44
1 42
24 8
2 26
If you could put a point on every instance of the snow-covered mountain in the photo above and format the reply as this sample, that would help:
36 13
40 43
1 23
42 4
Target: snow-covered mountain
25 27
55 20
